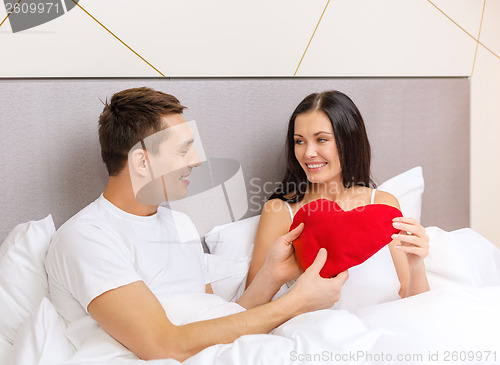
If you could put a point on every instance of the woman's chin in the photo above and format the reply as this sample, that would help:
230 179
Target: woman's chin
316 180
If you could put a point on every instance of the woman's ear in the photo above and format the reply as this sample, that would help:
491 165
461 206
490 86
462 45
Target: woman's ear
138 163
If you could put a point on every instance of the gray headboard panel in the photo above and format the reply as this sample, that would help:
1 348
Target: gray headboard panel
51 159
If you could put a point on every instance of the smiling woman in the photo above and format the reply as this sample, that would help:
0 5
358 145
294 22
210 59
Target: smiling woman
328 157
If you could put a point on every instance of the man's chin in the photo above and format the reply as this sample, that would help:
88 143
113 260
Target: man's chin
178 192
159 191
176 196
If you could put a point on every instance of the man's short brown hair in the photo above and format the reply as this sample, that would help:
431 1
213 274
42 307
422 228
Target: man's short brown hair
130 116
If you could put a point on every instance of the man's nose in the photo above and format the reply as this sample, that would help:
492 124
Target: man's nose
194 158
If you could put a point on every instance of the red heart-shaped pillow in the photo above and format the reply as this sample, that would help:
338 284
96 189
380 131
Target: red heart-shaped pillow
350 237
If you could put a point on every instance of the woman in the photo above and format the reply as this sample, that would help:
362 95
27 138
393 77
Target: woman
328 156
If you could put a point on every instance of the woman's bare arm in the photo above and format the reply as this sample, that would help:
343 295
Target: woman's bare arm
274 222
412 278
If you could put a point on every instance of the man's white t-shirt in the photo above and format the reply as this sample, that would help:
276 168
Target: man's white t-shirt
103 247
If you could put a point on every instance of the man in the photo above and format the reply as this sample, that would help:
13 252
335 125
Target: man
119 255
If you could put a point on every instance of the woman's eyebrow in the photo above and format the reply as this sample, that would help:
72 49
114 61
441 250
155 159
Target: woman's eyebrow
315 134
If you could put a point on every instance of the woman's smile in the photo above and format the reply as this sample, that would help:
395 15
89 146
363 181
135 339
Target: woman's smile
315 166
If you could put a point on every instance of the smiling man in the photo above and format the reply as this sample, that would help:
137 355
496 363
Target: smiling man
110 263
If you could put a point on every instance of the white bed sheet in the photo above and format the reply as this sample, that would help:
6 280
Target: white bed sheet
460 316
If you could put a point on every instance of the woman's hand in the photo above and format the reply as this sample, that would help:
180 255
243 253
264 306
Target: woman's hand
413 240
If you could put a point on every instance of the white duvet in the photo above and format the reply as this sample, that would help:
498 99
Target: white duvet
458 321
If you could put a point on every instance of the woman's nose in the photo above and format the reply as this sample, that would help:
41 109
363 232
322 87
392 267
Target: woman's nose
311 150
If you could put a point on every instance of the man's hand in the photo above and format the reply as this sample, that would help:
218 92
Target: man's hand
310 292
280 259
279 267
314 292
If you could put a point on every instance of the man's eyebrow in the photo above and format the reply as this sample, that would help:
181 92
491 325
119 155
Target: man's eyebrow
187 142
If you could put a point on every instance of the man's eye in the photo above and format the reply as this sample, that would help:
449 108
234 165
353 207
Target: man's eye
184 149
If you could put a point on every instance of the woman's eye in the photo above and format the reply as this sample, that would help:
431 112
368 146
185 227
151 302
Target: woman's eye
298 141
322 140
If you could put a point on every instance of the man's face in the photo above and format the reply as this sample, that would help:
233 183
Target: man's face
175 158
161 164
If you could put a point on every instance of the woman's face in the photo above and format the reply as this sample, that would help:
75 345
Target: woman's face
315 147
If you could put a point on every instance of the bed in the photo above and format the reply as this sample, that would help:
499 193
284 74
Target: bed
52 169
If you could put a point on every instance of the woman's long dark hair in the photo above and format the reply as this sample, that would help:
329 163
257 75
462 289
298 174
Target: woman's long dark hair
351 139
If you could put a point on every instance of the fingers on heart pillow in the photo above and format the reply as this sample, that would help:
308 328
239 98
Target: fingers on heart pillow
350 237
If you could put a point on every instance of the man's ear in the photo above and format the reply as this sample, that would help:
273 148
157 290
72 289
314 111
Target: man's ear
138 162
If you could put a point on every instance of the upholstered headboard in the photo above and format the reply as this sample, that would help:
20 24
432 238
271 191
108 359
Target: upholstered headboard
51 158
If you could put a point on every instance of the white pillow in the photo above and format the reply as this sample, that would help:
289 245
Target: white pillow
233 240
407 188
461 257
227 275
41 339
231 247
23 279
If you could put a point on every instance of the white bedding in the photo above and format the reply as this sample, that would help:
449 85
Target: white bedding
459 319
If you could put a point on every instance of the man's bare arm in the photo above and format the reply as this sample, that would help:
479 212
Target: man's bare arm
134 316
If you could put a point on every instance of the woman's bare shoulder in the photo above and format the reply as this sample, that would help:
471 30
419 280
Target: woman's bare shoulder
275 207
275 217
383 197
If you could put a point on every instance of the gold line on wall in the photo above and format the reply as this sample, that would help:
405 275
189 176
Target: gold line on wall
478 38
122 42
8 14
454 22
317 25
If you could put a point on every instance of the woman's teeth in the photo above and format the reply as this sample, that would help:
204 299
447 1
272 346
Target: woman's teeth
316 165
